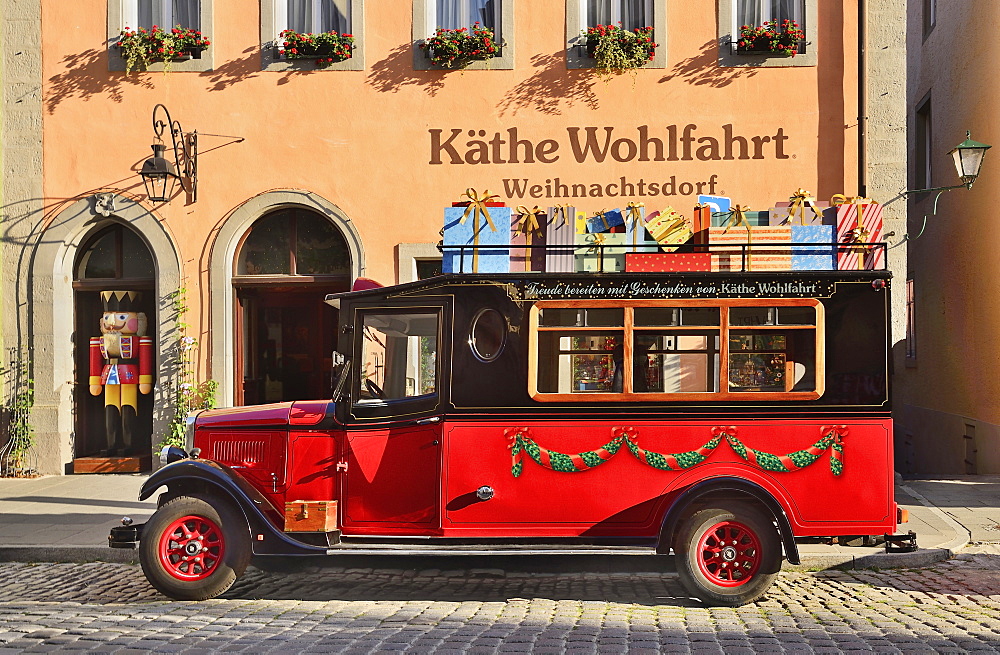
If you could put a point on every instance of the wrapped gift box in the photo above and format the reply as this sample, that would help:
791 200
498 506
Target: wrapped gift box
603 221
590 254
801 209
725 219
560 238
476 230
668 229
824 214
638 237
527 229
700 222
760 256
871 229
822 256
664 262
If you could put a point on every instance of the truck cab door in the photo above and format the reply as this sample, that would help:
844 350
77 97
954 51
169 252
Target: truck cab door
393 440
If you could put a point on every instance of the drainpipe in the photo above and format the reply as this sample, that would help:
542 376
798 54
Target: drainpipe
862 98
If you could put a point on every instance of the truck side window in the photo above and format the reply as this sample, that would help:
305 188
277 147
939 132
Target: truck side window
677 350
398 356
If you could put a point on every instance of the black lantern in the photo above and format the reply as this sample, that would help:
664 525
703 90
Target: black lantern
159 174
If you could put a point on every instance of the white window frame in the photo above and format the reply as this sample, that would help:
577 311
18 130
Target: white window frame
729 34
124 13
274 19
576 13
425 23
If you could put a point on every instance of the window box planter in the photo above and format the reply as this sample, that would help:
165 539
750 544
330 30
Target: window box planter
142 47
458 48
616 50
784 39
324 48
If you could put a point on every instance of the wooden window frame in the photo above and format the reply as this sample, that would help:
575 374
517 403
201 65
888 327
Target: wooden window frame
628 329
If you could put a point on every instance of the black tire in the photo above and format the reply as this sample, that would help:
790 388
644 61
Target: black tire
173 551
723 573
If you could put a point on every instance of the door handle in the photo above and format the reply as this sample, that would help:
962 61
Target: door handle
428 421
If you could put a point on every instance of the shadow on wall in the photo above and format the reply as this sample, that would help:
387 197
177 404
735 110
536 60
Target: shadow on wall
703 68
551 87
396 71
87 75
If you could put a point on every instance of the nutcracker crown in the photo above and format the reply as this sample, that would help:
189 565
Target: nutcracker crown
120 301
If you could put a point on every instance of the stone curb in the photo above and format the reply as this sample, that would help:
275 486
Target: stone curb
962 534
68 554
877 560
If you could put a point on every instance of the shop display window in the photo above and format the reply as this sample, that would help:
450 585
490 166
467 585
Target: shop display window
687 350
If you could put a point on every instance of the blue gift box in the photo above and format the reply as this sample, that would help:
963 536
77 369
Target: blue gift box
481 260
603 223
817 257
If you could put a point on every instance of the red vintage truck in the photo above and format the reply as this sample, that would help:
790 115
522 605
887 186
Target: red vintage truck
719 416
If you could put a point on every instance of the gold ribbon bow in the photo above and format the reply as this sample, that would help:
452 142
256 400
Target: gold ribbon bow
564 210
598 240
738 217
800 200
476 207
529 226
600 214
840 199
529 221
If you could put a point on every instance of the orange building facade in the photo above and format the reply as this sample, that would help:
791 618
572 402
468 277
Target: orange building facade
310 177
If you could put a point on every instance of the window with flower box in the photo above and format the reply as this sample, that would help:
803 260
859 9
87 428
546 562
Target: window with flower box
627 14
734 14
698 350
195 15
325 35
495 15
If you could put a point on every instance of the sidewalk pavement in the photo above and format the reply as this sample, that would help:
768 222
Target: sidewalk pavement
67 519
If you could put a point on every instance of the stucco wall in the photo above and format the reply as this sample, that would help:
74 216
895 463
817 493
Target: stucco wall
952 262
377 143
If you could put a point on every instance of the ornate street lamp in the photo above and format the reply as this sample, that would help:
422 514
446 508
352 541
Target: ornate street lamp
968 156
159 174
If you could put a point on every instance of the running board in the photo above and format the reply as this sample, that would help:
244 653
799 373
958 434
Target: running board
508 549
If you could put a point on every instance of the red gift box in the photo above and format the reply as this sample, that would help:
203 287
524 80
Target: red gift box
868 230
488 204
665 262
699 225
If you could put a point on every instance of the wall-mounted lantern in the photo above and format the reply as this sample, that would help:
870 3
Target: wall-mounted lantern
159 174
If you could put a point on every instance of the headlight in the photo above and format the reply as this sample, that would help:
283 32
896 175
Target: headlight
189 429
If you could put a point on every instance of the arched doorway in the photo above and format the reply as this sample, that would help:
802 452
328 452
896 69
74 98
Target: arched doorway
114 258
285 334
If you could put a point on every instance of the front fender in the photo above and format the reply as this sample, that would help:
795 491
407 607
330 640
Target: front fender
205 477
737 487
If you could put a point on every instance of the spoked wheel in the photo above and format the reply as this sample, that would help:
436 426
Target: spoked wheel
728 556
192 550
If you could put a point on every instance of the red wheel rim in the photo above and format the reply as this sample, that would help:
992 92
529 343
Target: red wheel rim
191 548
729 554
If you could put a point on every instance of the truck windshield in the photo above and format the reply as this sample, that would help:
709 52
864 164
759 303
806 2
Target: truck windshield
398 356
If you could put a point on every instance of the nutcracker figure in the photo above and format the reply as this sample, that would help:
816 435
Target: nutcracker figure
121 364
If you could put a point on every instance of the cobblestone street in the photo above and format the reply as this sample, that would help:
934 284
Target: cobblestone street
951 607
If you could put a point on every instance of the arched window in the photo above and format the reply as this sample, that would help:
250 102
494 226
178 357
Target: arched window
294 241
288 261
112 254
